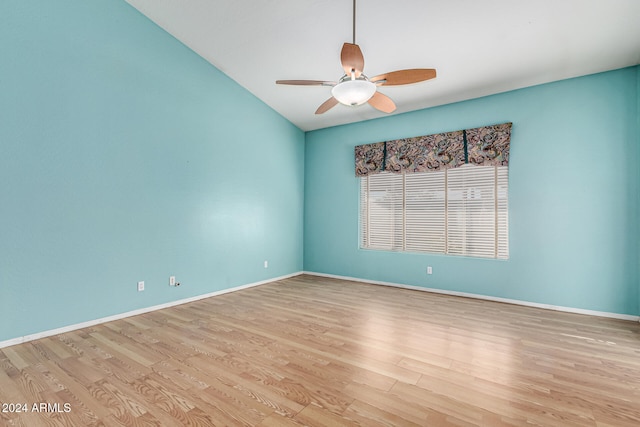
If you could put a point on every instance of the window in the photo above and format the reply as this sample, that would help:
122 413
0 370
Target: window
458 211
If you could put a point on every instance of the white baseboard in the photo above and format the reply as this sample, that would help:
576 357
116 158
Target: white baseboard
69 328
484 297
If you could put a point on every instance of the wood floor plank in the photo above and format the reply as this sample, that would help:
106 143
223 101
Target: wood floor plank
318 351
277 420
370 415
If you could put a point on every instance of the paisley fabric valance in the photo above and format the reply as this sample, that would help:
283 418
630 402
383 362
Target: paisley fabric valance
487 145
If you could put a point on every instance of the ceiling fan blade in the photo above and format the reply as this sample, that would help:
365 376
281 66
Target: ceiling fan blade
352 59
327 105
405 77
382 102
305 82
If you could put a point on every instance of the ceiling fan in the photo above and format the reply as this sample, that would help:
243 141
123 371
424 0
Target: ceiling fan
355 88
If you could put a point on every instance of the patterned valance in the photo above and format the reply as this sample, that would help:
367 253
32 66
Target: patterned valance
487 145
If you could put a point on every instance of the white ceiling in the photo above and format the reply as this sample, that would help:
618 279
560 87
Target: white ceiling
479 47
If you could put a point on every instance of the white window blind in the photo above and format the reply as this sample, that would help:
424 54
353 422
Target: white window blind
382 226
461 211
425 212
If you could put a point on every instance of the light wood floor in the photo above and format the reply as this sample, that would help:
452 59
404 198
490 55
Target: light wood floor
325 352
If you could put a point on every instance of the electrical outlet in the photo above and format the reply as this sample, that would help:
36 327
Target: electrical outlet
429 270
140 286
266 264
172 280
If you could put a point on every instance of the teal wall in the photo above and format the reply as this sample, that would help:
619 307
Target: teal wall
573 192
638 173
124 156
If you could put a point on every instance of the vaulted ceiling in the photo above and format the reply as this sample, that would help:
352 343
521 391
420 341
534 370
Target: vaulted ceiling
478 47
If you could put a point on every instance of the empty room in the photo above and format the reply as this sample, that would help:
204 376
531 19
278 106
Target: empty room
321 213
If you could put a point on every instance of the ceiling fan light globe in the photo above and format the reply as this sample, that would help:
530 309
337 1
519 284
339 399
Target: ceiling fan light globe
353 92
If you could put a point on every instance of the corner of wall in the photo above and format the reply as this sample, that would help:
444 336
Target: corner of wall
637 163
